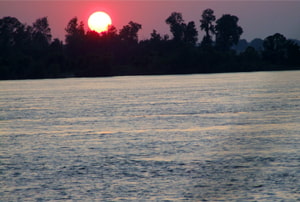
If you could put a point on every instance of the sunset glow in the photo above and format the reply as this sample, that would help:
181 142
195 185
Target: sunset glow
99 22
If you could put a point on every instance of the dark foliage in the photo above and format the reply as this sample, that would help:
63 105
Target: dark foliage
227 32
28 52
207 20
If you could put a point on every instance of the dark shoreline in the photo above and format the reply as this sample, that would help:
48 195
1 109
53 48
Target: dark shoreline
133 75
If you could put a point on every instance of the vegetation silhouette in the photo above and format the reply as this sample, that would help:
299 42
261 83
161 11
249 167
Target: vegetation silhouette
28 52
227 32
207 25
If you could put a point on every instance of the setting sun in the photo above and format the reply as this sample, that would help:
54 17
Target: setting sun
99 21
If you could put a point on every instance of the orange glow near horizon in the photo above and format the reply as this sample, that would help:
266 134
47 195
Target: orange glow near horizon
99 21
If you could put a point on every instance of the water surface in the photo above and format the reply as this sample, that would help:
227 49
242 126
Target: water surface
230 137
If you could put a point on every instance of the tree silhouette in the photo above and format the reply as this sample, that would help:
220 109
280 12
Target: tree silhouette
75 37
155 37
11 33
279 50
41 37
111 34
28 51
177 25
207 20
42 31
190 33
275 48
227 32
293 53
181 31
129 32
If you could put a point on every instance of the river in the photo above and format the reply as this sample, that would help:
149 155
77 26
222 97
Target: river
215 137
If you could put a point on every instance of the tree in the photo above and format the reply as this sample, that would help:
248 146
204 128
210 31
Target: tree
75 37
12 32
293 53
275 42
74 30
129 32
279 50
207 20
42 31
177 26
15 44
275 48
110 34
228 32
190 33
180 30
155 37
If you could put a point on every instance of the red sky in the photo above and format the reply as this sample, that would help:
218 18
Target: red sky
259 19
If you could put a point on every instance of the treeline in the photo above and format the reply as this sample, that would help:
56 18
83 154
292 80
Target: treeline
29 51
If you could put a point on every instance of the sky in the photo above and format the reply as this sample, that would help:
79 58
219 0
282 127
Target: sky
258 19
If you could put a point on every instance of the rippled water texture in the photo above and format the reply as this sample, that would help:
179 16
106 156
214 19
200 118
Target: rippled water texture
231 137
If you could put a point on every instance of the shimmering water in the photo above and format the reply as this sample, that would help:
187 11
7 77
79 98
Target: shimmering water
231 137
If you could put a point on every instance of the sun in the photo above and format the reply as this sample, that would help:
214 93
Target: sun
99 21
